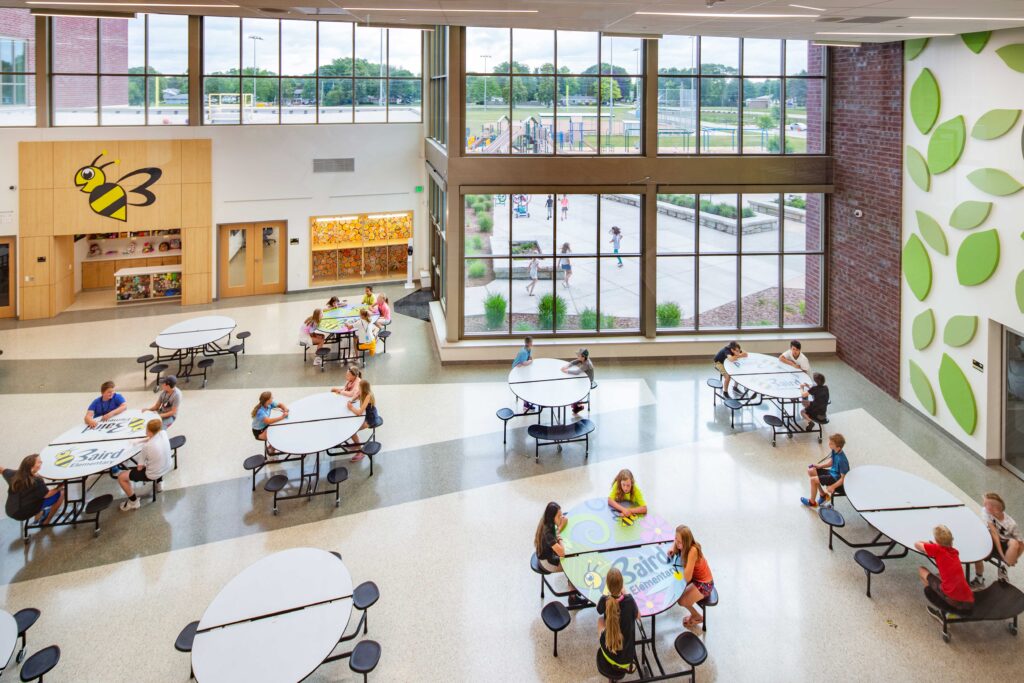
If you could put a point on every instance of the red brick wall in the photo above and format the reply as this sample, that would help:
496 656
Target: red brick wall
866 135
74 51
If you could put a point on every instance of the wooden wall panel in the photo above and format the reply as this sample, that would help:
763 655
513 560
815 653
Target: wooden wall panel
162 154
196 288
196 250
35 165
34 273
35 303
196 161
196 205
35 212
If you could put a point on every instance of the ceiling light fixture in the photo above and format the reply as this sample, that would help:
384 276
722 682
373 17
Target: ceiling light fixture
834 43
1021 19
83 14
894 35
727 15
816 9
421 10
81 3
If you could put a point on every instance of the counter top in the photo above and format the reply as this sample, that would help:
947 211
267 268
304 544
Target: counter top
148 270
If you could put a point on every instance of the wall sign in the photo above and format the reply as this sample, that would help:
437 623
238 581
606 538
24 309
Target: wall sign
110 199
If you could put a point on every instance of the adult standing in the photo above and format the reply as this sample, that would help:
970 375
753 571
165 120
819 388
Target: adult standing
108 404
168 400
154 462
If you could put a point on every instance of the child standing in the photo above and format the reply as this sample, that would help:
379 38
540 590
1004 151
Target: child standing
950 584
616 241
580 364
534 273
565 206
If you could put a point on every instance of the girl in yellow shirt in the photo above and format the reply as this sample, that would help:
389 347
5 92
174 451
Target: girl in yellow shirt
625 495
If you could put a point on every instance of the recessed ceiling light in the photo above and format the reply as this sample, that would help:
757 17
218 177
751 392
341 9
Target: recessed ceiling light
816 9
80 3
81 14
420 10
894 35
727 15
1021 19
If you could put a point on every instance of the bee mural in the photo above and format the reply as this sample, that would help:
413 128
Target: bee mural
110 199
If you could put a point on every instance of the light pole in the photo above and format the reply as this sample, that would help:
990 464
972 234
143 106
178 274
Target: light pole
253 38
380 70
485 58
636 51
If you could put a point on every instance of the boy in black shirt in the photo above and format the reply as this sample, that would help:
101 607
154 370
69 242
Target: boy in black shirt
815 400
733 352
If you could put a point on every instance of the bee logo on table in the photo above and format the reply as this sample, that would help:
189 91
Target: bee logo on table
64 458
110 199
136 423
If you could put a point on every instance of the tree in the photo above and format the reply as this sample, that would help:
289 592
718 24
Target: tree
610 91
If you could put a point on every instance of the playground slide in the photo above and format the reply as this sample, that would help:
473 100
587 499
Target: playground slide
500 143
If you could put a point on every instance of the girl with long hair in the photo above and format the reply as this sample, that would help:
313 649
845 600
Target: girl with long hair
310 327
625 496
695 570
368 408
546 541
565 264
351 388
616 629
262 416
28 496
366 333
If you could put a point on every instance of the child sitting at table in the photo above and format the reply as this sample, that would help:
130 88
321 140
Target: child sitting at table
351 388
28 496
951 584
366 333
367 299
815 400
383 310
696 573
574 367
829 474
547 542
333 302
616 628
262 416
625 496
309 328
368 408
1007 542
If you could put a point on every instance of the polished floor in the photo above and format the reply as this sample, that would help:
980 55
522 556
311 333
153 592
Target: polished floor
445 525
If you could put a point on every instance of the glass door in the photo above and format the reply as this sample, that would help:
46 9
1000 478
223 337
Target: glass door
1013 403
270 257
7 296
236 256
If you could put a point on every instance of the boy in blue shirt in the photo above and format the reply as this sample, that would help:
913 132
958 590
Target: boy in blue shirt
108 404
829 475
525 357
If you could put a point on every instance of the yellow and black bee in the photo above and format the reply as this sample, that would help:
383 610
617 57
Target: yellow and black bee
109 198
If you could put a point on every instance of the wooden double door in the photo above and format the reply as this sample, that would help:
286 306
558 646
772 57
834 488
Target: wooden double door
253 258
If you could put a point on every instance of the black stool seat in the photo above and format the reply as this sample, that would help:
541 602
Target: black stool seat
505 414
773 421
714 383
869 561
245 334
335 553
323 352
365 657
371 448
820 420
536 566
188 634
555 616
153 345
365 595
732 404
833 518
276 483
144 359
40 663
177 442
26 618
691 649
158 368
335 476
205 363
235 348
711 600
99 503
254 461
384 334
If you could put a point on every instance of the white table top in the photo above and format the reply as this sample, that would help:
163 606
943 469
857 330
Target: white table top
282 649
766 375
82 451
543 383
906 527
283 581
130 424
876 487
8 637
195 332
757 364
314 423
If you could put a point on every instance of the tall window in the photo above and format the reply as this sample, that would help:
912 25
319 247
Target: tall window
117 72
438 257
272 71
531 91
552 263
438 84
17 68
755 95
728 262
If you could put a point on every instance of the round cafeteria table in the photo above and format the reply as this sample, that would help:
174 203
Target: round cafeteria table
276 621
766 375
543 384
314 423
190 337
334 320
83 451
906 508
8 638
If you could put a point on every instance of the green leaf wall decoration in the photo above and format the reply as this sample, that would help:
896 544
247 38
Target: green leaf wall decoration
957 393
994 123
1013 56
912 48
925 101
932 233
922 330
917 167
994 181
922 388
977 257
917 268
969 215
960 330
946 145
976 42
1020 291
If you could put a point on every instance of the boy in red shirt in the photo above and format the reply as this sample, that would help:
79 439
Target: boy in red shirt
951 584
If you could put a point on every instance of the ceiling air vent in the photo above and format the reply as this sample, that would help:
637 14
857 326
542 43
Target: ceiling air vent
871 20
347 165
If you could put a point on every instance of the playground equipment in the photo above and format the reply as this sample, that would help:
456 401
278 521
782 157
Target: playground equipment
224 105
521 205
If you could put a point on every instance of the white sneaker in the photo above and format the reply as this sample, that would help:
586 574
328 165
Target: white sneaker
977 583
318 361
130 504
